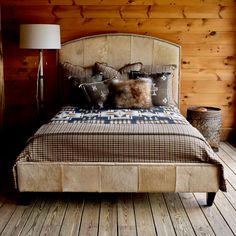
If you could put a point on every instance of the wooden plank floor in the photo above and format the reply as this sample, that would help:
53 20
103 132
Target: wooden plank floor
125 214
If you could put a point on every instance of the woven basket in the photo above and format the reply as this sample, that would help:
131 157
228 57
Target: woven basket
208 123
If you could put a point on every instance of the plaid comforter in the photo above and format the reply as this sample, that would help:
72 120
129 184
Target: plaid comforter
71 137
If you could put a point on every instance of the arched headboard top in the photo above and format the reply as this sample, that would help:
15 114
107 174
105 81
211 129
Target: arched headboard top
119 49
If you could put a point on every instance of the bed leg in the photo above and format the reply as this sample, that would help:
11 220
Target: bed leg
210 198
23 198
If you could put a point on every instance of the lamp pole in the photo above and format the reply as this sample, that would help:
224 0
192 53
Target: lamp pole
40 92
40 36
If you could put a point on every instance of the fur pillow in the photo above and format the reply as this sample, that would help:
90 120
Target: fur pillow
131 93
161 86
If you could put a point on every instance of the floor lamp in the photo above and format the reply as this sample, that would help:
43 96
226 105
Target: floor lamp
40 36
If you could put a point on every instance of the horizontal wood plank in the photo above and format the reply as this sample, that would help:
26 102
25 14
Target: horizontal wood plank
198 86
197 11
99 12
209 27
208 74
208 50
228 62
120 2
177 37
212 99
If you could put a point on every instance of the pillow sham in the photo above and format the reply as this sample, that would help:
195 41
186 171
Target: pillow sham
162 83
110 72
77 71
96 93
131 93
107 71
79 96
137 66
159 89
171 68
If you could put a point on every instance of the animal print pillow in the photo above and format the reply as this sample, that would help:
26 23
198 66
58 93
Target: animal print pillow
131 93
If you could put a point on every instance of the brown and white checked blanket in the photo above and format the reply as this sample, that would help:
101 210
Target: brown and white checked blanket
148 142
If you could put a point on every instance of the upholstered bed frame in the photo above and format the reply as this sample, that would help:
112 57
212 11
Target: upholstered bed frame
117 50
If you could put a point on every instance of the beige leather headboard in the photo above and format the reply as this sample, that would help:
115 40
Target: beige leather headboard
120 49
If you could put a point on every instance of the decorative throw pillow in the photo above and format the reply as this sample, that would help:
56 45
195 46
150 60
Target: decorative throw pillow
96 93
131 93
79 95
77 71
163 68
137 66
108 71
171 68
159 89
133 74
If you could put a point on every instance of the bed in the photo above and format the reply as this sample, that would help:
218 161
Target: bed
120 150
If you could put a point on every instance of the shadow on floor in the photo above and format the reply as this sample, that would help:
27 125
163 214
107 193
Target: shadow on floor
12 143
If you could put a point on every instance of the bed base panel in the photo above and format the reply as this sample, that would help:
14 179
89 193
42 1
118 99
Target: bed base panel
116 177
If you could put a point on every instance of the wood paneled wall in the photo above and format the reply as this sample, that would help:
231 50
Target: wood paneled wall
204 28
1 77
